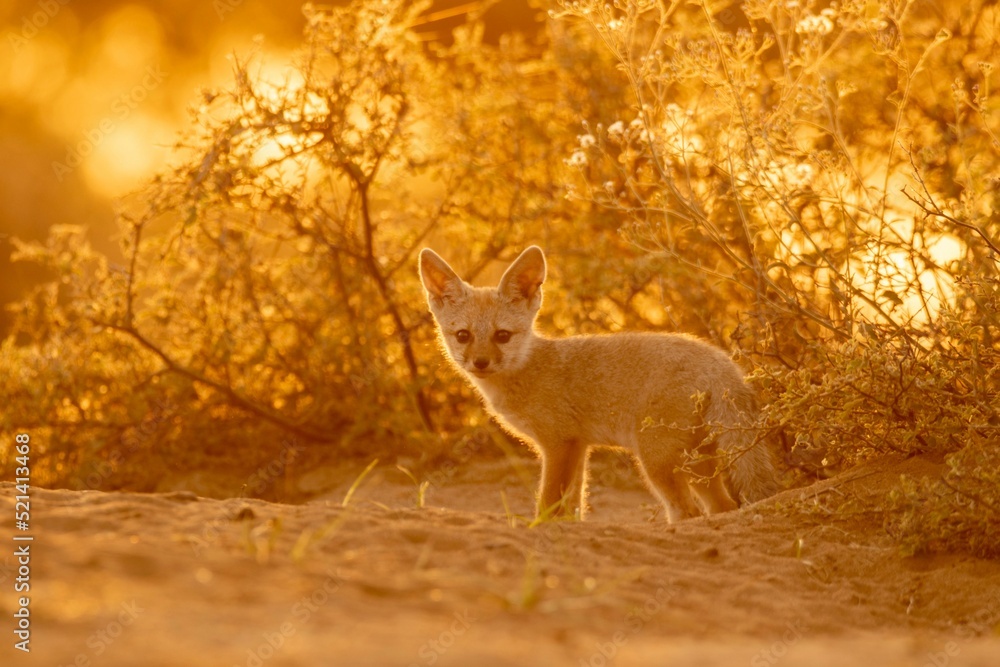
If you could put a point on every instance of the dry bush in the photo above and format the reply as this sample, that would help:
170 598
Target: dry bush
268 299
960 511
822 177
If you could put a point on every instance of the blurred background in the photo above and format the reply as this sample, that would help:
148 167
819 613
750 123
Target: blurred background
93 95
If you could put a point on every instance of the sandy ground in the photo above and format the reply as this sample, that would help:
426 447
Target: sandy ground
177 579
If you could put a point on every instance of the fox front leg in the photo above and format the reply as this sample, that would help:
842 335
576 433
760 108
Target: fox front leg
561 490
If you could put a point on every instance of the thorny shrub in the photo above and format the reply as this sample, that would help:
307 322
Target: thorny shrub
824 177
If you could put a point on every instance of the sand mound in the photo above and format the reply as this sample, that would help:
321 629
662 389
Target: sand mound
174 579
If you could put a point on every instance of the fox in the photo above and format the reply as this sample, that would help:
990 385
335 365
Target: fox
677 403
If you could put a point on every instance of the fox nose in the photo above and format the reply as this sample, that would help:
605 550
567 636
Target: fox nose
481 363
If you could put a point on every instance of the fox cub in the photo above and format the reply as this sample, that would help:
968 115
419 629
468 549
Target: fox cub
676 402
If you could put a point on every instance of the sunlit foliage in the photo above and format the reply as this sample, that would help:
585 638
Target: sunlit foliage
269 290
824 179
813 185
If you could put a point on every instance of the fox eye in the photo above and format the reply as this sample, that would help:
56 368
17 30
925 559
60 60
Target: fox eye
502 336
462 336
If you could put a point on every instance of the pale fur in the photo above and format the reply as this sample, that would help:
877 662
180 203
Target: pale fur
679 404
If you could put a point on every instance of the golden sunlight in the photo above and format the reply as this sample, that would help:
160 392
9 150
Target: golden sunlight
500 332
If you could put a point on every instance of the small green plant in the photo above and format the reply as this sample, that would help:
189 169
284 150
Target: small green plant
421 486
512 519
530 591
357 483
555 512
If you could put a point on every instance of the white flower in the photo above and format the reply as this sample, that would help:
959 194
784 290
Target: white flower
587 141
815 25
616 130
577 159
803 173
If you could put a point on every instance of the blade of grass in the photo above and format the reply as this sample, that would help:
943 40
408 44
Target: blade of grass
357 482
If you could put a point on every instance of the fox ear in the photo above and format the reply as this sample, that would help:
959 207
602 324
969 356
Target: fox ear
439 279
524 278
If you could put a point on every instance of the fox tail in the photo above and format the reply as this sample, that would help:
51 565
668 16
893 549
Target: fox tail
751 471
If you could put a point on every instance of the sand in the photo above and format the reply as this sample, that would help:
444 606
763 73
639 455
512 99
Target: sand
177 579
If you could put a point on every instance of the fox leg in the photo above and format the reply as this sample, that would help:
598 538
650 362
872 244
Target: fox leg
708 483
713 494
660 460
563 471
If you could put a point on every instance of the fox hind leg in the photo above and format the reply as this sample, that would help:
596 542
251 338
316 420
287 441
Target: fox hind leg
708 483
660 463
713 494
